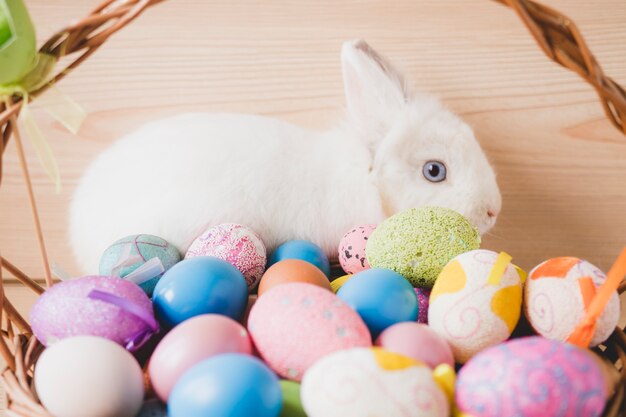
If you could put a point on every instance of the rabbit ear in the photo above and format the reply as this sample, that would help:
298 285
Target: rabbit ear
375 90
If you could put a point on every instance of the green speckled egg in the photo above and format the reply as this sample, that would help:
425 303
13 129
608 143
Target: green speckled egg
419 242
292 406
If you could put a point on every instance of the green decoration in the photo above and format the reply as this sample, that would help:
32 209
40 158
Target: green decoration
18 44
419 242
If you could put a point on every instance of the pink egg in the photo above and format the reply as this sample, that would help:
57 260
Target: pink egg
295 324
417 341
103 306
236 244
352 249
190 342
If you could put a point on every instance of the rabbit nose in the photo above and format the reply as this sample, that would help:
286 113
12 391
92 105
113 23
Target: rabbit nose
492 213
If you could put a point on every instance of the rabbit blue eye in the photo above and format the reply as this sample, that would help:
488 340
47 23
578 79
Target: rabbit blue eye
434 171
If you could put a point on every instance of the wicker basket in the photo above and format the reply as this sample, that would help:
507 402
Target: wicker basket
556 34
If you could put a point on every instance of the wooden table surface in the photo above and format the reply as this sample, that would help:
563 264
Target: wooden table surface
561 165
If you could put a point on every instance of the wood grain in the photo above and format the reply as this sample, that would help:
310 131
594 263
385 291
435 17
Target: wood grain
561 166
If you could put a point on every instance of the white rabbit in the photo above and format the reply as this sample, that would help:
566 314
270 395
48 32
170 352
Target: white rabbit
175 177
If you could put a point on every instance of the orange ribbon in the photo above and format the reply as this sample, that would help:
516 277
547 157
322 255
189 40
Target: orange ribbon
583 333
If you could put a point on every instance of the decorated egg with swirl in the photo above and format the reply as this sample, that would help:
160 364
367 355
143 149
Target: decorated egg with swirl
476 301
532 377
557 295
372 382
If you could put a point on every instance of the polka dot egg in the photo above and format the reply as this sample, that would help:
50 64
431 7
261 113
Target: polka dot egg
235 244
352 249
295 324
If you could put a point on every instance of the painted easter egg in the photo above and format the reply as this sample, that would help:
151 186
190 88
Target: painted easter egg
292 404
131 252
292 270
476 302
352 249
108 307
232 385
423 299
557 294
337 283
200 285
417 341
235 244
419 242
304 250
295 324
18 43
531 377
381 297
89 376
191 342
371 382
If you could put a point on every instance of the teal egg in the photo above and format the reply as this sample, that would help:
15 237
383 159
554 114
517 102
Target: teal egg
129 253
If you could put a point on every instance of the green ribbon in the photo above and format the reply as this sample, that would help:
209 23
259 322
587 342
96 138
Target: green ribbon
23 70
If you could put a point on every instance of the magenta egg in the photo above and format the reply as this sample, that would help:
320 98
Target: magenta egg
417 341
191 342
103 306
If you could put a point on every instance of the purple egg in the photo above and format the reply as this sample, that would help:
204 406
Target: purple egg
103 306
423 295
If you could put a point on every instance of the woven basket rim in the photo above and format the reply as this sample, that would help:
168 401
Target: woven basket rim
558 37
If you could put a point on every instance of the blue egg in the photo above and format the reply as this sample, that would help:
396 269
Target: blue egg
130 252
381 297
304 250
229 385
200 285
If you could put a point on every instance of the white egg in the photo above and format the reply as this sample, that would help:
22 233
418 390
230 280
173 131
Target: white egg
89 376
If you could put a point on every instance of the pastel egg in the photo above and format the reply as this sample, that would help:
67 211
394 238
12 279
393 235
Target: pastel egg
89 376
338 283
352 249
419 242
417 341
371 382
129 253
381 297
292 270
236 244
200 285
557 293
532 377
108 307
292 404
304 250
476 302
232 385
295 324
191 342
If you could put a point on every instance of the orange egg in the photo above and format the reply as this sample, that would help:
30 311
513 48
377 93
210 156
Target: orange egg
292 270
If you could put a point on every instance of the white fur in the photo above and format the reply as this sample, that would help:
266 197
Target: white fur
175 177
